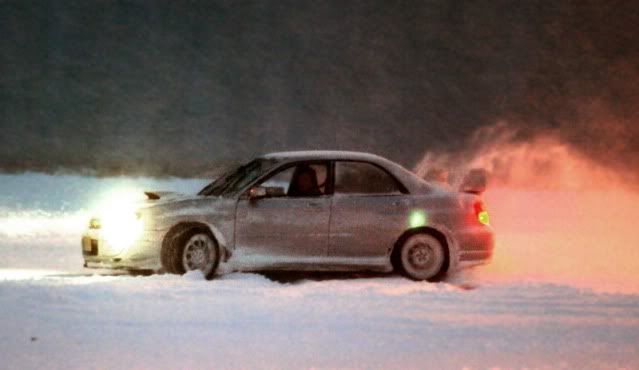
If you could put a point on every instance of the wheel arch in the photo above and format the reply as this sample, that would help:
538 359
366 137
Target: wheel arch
184 226
438 234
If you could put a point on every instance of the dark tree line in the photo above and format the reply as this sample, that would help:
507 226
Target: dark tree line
179 87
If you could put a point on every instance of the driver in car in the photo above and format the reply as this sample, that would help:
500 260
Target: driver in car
304 183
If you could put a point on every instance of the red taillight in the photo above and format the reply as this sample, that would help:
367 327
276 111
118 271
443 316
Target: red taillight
478 206
480 213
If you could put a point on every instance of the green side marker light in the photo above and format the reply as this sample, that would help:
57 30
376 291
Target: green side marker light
417 218
483 218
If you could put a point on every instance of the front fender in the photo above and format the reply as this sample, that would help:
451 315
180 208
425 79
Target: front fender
215 213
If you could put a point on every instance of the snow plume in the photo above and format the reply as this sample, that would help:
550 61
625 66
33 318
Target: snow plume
559 216
41 225
542 161
43 216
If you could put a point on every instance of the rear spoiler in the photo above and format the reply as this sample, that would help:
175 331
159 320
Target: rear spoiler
474 182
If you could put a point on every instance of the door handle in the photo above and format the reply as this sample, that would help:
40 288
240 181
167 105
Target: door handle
313 204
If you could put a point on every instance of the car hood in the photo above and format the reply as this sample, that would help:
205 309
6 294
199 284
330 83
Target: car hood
166 209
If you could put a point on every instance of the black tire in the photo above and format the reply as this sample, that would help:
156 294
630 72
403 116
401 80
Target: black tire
422 257
173 251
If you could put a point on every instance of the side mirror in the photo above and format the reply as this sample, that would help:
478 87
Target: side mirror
257 192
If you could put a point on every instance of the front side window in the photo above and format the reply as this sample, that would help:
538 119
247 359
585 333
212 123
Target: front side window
301 180
239 177
363 178
280 180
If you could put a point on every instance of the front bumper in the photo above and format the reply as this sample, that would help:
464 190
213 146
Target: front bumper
141 255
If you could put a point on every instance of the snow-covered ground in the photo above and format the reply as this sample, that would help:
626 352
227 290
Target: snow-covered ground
248 321
554 297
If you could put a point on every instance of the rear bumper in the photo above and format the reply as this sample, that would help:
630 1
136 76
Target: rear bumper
475 246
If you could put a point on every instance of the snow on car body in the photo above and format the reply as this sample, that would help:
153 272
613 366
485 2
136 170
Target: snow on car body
308 210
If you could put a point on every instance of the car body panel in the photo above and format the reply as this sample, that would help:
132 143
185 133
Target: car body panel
366 226
283 227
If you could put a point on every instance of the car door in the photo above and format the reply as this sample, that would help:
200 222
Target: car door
289 227
368 212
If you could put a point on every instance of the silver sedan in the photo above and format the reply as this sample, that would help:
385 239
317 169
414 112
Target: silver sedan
300 211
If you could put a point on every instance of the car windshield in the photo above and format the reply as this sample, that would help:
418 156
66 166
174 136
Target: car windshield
239 177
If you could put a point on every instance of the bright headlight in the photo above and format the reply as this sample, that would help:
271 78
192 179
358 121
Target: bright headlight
119 222
121 227
94 223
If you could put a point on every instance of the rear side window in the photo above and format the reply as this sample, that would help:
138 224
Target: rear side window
363 178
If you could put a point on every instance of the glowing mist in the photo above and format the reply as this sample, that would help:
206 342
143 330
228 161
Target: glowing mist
558 217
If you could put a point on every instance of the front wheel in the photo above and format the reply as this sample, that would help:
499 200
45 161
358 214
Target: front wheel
422 257
194 249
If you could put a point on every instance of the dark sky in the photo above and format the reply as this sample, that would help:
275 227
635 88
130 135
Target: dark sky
177 87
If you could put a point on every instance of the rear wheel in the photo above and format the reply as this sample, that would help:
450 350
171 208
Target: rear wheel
422 257
193 249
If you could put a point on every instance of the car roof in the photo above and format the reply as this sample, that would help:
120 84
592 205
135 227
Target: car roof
324 154
412 183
